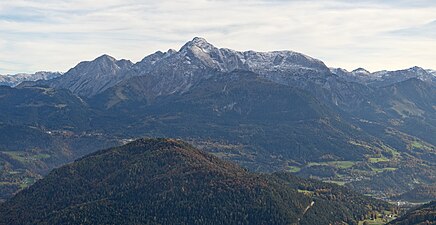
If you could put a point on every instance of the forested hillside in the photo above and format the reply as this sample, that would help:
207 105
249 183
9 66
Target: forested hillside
166 181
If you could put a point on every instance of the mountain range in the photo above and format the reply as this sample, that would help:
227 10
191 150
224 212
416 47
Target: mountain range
14 80
267 111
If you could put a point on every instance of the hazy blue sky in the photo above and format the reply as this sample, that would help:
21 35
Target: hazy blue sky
57 34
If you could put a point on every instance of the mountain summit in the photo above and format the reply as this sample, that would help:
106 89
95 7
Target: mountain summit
91 77
200 43
361 71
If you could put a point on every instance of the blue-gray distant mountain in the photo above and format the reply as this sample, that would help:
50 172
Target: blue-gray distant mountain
14 80
90 78
385 78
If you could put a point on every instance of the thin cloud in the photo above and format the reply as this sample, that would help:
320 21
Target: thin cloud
57 34
427 30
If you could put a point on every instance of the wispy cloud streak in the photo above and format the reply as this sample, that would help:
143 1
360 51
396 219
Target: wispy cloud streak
56 34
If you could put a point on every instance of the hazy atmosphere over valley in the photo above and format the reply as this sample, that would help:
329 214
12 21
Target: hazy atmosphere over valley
217 112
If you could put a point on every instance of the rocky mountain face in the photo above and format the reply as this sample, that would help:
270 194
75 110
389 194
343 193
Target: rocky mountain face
14 80
385 78
178 71
166 181
90 78
164 73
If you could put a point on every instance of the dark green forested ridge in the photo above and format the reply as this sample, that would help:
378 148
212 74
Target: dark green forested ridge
423 215
167 181
424 193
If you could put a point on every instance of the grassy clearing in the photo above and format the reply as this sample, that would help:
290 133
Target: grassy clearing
378 159
316 164
373 222
417 144
382 218
24 157
26 182
340 183
294 169
421 145
13 172
224 154
343 164
381 170
360 144
394 152
18 156
306 192
337 164
41 156
406 109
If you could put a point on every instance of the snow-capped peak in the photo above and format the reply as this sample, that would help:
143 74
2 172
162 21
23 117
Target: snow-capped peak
198 43
432 72
15 79
417 69
105 58
361 71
